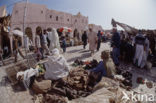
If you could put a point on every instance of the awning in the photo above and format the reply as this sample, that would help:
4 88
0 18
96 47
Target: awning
65 29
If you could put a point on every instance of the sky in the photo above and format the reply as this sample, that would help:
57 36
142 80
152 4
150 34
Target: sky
136 13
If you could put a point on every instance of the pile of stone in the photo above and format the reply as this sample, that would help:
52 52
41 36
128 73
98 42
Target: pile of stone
126 82
106 91
78 83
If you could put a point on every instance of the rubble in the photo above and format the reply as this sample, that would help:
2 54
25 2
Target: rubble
49 98
106 91
149 84
77 84
125 76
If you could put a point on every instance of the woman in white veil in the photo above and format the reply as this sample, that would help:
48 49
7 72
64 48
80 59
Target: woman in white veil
54 39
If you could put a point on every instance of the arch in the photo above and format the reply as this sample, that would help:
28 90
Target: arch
28 32
38 30
17 28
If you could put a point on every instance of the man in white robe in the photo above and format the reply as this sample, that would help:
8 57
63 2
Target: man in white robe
92 39
146 51
139 52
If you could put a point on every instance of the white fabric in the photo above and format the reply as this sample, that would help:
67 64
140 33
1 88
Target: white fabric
147 44
92 37
55 51
27 75
37 41
54 39
56 67
144 59
139 54
145 54
26 42
17 32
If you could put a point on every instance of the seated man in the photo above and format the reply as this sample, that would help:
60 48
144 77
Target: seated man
105 67
56 67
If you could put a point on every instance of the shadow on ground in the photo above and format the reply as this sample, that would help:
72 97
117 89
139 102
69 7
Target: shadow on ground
83 56
74 51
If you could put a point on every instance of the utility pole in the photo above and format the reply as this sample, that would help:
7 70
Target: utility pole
24 20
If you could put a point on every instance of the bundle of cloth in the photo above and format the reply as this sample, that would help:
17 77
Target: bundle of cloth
27 77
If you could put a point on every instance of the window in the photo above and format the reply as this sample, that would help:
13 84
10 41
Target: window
50 16
41 12
56 18
67 19
16 11
75 21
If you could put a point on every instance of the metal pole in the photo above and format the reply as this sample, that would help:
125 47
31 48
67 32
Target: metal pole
24 19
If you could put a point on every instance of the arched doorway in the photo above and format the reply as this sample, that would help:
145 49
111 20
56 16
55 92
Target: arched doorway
38 30
17 28
28 32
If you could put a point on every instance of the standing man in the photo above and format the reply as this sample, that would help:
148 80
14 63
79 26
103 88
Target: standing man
38 47
16 48
84 39
146 52
64 44
116 46
92 39
139 44
99 40
44 43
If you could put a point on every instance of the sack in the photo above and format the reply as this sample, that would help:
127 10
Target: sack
41 87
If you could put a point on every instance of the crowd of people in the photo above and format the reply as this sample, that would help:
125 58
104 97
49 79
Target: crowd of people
131 48
128 48
93 39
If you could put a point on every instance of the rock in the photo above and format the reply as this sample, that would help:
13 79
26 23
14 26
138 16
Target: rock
41 87
149 84
149 65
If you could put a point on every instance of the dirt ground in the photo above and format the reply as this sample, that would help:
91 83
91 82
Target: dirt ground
9 95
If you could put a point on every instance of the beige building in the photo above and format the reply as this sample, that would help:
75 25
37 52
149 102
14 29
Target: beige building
40 17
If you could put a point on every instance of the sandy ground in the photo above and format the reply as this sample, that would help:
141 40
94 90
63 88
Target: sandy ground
9 95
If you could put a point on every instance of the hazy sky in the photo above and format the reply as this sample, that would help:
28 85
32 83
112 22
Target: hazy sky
137 13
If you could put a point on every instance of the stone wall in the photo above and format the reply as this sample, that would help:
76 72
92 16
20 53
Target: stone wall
40 16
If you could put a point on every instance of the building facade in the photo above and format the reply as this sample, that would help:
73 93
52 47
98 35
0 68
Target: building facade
38 16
